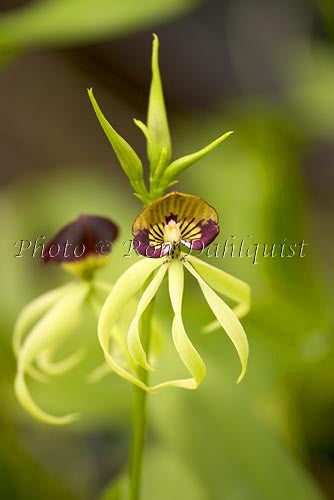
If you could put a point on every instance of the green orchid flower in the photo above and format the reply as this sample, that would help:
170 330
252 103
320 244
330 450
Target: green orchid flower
161 230
46 324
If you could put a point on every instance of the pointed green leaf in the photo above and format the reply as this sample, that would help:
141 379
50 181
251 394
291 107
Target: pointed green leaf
126 155
157 117
226 318
135 346
178 166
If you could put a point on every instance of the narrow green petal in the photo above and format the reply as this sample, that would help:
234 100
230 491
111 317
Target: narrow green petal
119 352
182 383
23 395
224 283
226 318
123 372
45 363
157 116
184 347
179 165
124 289
135 346
126 155
32 313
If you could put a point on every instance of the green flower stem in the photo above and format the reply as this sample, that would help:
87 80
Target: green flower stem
139 410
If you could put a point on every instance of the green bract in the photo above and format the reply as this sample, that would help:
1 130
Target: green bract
163 170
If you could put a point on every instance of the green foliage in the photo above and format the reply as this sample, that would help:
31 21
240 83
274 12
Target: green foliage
58 23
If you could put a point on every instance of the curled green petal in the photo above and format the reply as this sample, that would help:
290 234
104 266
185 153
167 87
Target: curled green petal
184 347
47 365
179 165
227 319
135 346
23 395
157 117
182 383
32 313
123 372
226 284
126 155
124 289
62 317
35 374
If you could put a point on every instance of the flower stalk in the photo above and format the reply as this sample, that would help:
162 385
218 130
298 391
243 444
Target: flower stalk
139 411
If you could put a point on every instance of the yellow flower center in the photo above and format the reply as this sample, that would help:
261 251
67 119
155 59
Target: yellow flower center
172 233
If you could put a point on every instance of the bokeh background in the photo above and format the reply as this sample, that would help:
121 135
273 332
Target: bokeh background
262 68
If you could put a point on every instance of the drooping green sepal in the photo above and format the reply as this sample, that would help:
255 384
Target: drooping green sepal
226 318
126 155
157 122
225 284
179 165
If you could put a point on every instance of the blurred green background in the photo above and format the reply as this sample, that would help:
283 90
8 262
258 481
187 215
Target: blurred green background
262 68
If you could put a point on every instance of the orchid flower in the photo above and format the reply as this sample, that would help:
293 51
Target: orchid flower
160 231
46 324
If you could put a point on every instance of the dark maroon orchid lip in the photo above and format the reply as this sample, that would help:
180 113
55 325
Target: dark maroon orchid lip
174 220
86 235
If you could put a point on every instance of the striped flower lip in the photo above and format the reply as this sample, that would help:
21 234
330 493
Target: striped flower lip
87 235
173 220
